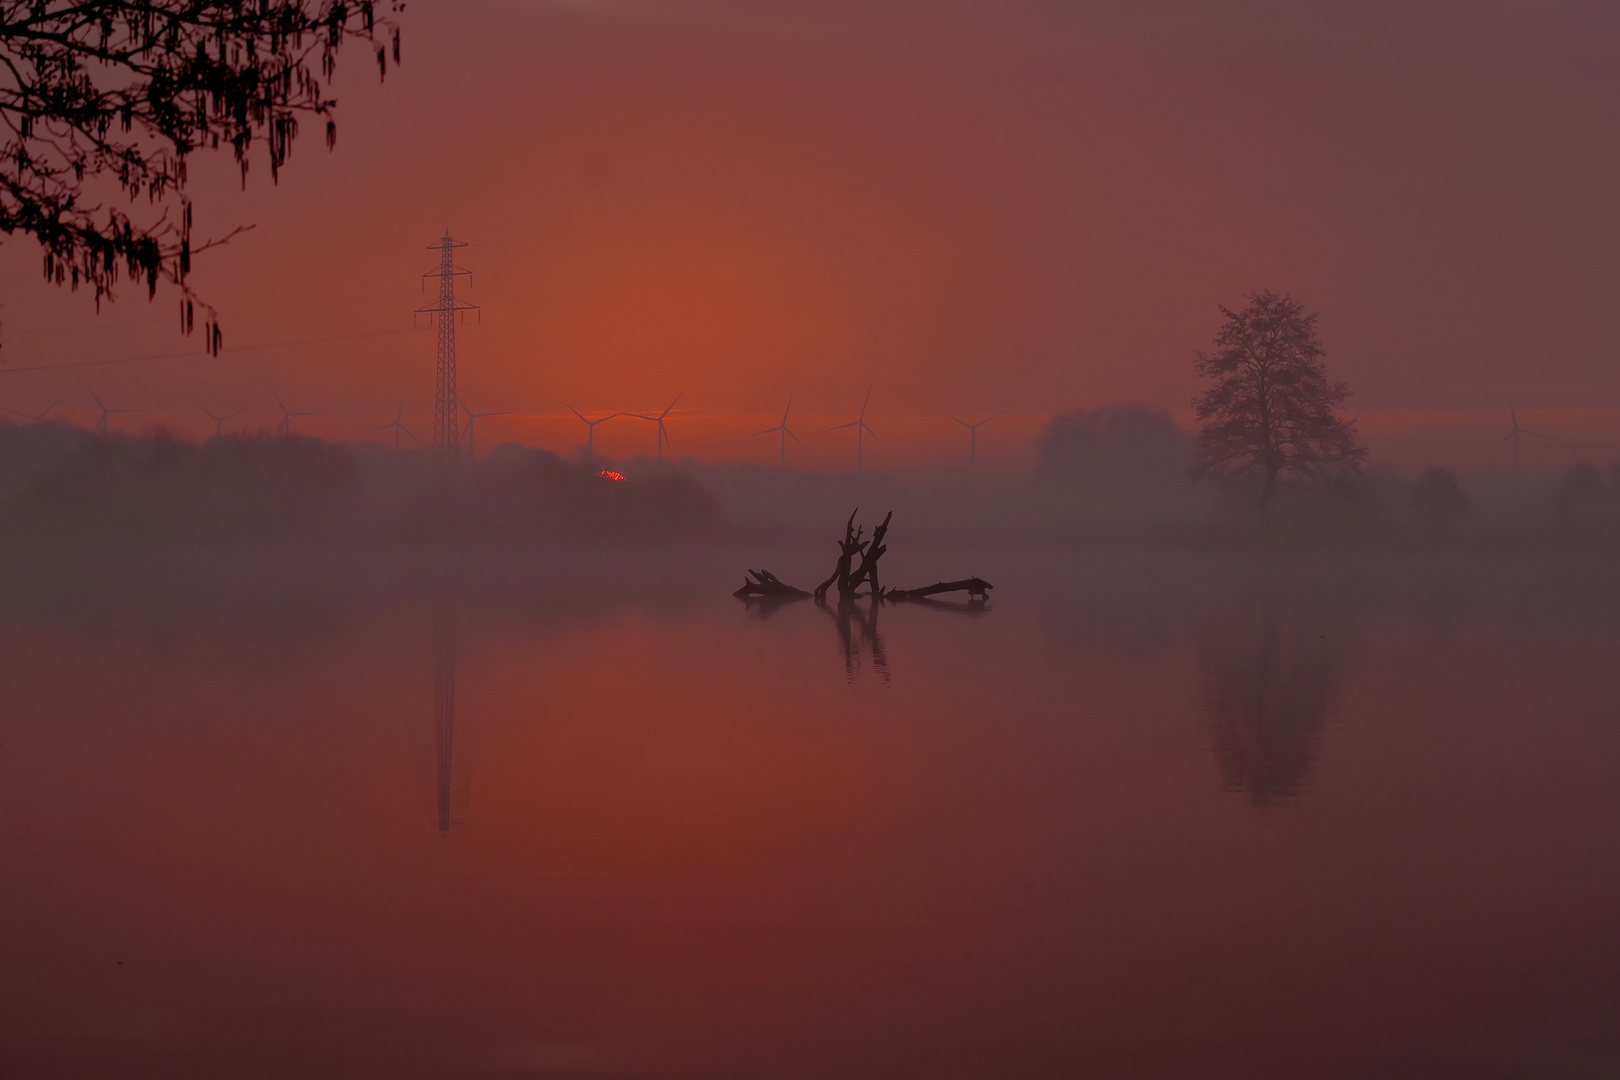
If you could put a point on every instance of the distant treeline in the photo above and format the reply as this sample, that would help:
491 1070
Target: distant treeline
1135 460
58 481
1119 474
1123 475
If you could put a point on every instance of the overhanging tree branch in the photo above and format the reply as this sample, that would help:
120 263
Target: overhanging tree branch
123 91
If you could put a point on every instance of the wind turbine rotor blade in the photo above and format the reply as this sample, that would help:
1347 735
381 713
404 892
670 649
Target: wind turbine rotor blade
795 438
874 435
1527 431
841 427
575 411
1504 439
959 420
767 431
672 404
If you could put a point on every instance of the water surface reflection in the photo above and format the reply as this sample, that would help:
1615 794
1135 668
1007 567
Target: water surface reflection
444 710
858 636
1272 672
710 844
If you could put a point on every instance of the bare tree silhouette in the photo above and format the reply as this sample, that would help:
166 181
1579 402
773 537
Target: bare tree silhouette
1270 413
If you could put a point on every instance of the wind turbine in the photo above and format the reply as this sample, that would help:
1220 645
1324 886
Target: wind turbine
590 427
398 425
285 427
472 420
861 431
783 428
101 425
1515 433
973 435
219 421
38 417
663 432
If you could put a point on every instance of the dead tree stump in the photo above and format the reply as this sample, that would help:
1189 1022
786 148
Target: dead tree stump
867 572
848 548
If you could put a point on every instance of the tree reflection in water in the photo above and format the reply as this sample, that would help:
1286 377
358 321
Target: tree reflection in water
1271 677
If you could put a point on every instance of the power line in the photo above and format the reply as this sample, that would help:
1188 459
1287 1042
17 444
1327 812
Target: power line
7 369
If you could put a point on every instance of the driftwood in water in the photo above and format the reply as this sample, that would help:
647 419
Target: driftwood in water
849 578
848 548
867 573
972 586
766 584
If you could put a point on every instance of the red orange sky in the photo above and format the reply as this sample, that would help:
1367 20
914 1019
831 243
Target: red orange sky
969 207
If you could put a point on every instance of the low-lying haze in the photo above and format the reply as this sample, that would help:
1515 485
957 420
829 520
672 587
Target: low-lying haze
970 207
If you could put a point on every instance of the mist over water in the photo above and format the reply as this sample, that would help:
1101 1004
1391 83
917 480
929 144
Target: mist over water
1228 391
1114 476
565 811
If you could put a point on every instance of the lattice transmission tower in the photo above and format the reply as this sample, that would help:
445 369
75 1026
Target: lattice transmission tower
446 405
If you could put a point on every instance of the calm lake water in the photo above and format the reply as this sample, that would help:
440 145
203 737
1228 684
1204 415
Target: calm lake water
496 814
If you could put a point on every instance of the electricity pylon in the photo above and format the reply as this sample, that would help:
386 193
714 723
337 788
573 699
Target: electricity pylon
446 405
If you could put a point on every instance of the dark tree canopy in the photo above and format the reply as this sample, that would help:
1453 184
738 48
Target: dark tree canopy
108 98
1270 412
1125 441
1438 500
